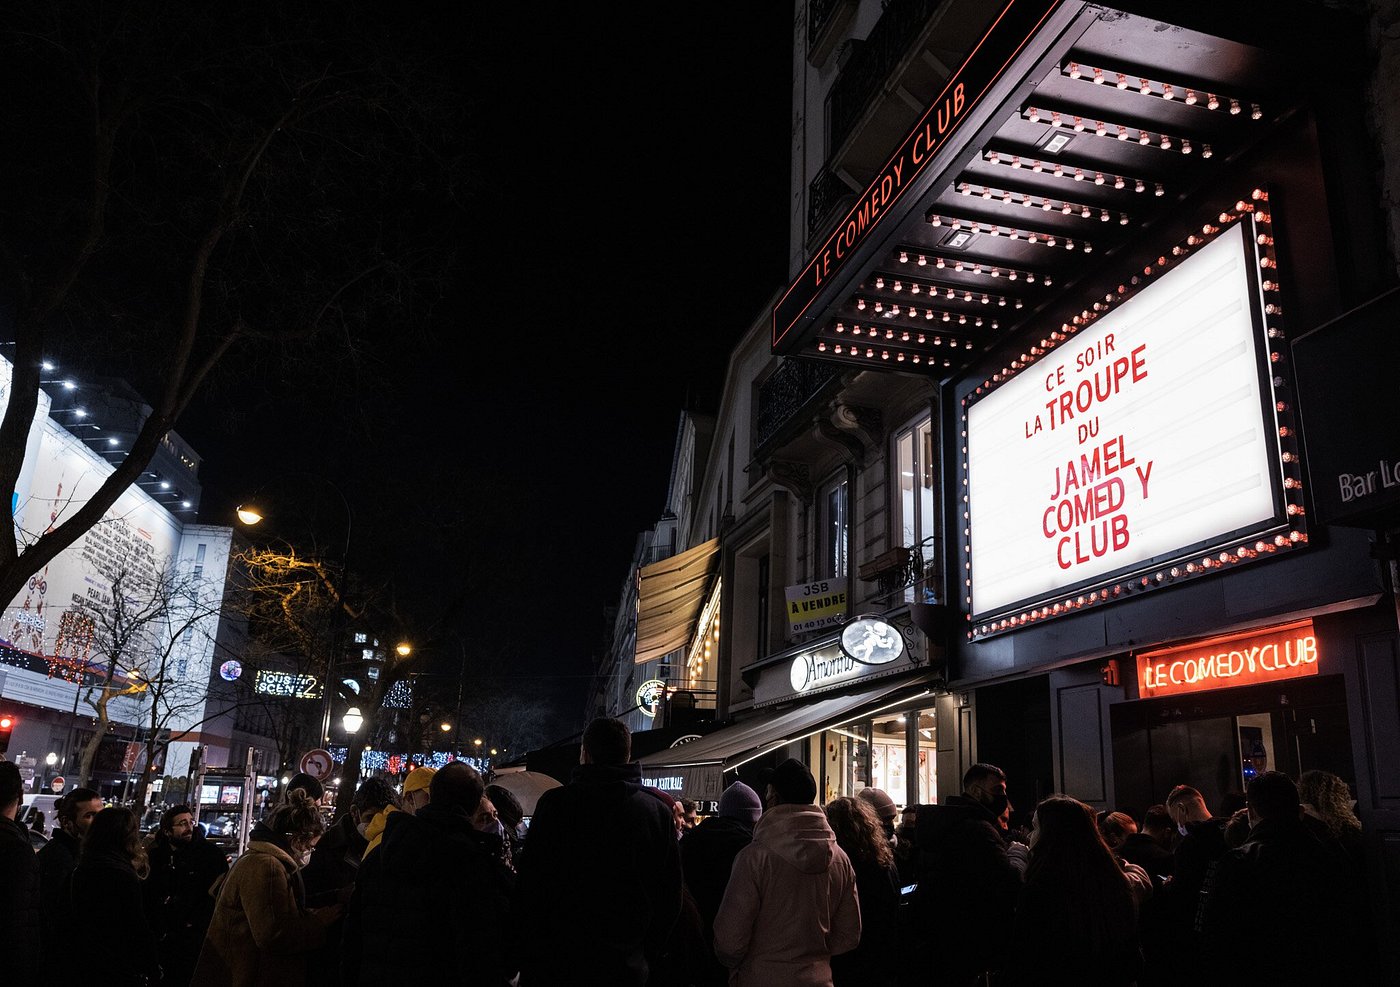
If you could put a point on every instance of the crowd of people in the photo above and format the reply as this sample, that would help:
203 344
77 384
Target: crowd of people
616 883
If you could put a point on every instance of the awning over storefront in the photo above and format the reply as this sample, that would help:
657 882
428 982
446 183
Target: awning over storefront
698 767
670 595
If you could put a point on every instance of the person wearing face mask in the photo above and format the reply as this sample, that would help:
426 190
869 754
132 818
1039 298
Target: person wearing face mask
968 884
415 796
330 876
262 932
1174 946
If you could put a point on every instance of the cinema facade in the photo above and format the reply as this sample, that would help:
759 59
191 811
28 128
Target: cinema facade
1141 254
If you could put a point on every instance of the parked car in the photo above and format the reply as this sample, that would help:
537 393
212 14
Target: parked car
38 811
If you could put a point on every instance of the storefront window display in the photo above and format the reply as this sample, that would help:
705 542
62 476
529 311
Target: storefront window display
845 760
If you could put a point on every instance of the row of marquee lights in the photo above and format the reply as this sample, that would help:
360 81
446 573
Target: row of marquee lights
1246 549
1096 75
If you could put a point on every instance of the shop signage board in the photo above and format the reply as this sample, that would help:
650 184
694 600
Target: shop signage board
870 640
649 695
697 781
812 606
1009 33
288 685
1346 392
1254 658
1145 437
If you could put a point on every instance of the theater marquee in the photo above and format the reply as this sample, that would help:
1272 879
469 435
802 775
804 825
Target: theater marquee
1147 442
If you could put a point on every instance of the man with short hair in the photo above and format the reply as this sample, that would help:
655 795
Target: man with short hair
329 877
184 867
791 902
968 882
600 874
1150 848
59 857
707 859
415 795
690 813
1287 894
19 885
433 871
1171 941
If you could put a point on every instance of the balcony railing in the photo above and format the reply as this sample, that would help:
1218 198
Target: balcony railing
786 392
873 62
907 573
826 192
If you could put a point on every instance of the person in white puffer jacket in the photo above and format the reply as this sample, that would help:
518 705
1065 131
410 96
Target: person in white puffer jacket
791 903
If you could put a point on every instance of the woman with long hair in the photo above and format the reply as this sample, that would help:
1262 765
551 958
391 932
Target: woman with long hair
106 894
875 962
1075 918
262 931
1327 798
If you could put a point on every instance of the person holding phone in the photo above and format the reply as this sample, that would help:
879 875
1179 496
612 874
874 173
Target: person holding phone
262 932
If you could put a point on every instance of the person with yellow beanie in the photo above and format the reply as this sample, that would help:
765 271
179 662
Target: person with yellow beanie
415 796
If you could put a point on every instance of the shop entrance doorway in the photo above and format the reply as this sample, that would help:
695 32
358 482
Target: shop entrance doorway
1217 741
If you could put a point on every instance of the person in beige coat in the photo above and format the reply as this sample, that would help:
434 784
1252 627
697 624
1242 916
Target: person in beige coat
262 932
791 903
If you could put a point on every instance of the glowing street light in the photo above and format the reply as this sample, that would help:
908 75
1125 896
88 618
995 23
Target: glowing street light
249 514
403 649
352 721
444 726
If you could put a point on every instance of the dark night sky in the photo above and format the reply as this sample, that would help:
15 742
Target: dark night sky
625 222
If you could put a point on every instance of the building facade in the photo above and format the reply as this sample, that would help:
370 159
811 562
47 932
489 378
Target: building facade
1138 252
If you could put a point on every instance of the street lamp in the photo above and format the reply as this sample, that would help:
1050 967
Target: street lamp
445 726
250 514
352 720
403 649
51 759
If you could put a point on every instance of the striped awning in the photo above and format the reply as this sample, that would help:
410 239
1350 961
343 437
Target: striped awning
670 596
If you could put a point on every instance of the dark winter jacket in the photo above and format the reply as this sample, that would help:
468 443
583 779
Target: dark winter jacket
19 904
57 860
329 877
261 934
432 873
707 856
1290 896
106 889
877 960
600 880
967 888
179 899
1147 853
334 863
1073 931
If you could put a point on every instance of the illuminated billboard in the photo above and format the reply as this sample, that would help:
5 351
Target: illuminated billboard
1142 446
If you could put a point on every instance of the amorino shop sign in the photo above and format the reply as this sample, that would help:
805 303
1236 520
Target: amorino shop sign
829 666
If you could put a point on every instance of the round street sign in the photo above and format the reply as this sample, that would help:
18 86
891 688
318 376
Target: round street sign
57 784
318 764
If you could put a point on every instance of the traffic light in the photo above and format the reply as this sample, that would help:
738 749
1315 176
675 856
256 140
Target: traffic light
7 727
